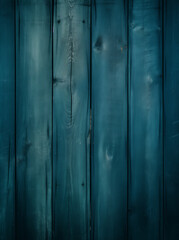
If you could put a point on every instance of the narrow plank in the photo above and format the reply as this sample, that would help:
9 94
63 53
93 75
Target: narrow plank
171 128
7 119
109 120
71 59
145 200
33 119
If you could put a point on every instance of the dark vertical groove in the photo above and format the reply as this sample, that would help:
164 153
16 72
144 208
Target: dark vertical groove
95 9
46 187
88 139
71 66
91 125
52 215
128 111
9 156
15 175
71 93
163 113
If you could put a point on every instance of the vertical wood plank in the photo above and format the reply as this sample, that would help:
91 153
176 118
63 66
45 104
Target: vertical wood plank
145 120
171 128
71 59
33 119
109 124
7 119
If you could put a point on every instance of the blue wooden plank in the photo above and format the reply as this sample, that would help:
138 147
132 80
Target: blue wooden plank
145 120
7 119
109 120
71 59
33 119
171 128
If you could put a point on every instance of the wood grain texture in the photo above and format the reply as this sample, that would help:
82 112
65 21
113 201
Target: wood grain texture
7 119
171 128
109 120
71 115
145 120
33 119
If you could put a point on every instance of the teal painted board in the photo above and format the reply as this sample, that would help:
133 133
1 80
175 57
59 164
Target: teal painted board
7 120
33 119
71 119
171 127
145 193
109 120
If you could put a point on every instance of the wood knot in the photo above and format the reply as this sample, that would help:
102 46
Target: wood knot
98 44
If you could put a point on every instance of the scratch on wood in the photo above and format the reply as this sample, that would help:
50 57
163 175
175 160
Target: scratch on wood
48 130
9 153
71 49
95 10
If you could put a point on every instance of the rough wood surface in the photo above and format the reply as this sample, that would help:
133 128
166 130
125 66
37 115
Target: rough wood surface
7 120
145 120
33 119
71 115
171 129
109 120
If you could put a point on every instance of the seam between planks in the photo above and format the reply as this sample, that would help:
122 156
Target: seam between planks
15 175
163 116
52 207
91 123
128 112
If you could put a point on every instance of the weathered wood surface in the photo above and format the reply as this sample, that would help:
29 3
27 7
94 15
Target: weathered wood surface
63 62
109 120
171 130
145 120
33 119
71 115
7 120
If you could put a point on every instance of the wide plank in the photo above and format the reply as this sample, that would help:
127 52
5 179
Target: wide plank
71 118
145 180
33 119
109 120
